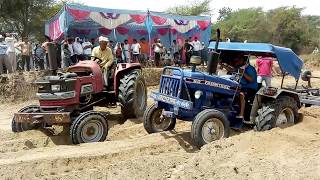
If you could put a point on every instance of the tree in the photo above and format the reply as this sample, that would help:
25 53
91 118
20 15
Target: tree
224 13
27 17
194 8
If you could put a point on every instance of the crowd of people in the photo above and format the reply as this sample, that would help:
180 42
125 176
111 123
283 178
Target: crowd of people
24 55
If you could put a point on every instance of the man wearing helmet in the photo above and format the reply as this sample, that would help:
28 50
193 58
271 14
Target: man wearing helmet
104 53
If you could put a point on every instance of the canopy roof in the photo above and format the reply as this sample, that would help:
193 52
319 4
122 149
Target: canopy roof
80 20
289 62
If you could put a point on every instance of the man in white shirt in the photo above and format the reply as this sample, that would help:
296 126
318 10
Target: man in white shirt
4 56
135 49
126 51
87 47
77 49
197 46
11 52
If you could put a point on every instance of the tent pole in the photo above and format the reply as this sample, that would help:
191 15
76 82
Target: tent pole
149 33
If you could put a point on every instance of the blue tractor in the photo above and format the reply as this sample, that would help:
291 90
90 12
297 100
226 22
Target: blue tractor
211 101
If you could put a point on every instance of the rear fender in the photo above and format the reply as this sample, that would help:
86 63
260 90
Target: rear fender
279 92
123 68
262 97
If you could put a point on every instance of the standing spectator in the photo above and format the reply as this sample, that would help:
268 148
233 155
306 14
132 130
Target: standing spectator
45 47
93 43
66 54
196 47
118 53
77 49
188 48
204 54
11 52
157 48
175 49
26 53
3 56
136 49
127 51
39 54
144 50
264 65
87 47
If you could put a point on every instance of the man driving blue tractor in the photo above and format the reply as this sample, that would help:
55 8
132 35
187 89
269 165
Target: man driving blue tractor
249 85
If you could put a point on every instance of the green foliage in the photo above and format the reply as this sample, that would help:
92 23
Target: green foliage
27 17
194 8
284 26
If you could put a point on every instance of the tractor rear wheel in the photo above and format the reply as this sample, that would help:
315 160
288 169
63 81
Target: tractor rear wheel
208 126
19 127
281 112
154 122
133 94
89 127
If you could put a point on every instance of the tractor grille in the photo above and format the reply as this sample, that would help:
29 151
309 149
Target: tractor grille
169 86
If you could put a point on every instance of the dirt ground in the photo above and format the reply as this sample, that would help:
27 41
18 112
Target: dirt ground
131 153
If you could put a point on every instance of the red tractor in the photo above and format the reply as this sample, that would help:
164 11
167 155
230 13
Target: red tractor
68 99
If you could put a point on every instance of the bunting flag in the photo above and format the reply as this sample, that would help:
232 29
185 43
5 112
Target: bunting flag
139 19
56 27
122 30
105 31
181 26
109 22
78 15
163 31
158 20
203 24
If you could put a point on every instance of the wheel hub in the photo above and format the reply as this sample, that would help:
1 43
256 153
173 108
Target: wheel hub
92 131
285 118
212 129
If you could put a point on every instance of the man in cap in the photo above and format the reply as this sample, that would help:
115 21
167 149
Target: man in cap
104 53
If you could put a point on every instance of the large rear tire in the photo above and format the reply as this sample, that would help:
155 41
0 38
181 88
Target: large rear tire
281 112
133 94
153 121
19 127
208 126
89 127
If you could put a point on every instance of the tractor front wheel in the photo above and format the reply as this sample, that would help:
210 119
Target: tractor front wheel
208 126
133 94
281 112
19 127
89 127
154 121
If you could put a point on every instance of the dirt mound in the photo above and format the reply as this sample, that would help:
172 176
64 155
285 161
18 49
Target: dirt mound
19 86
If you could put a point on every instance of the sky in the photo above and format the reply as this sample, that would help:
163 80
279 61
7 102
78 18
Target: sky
312 7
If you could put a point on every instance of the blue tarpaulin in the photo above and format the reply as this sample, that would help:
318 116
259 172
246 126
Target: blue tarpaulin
289 62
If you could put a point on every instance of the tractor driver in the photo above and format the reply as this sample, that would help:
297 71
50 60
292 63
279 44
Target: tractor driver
105 54
248 81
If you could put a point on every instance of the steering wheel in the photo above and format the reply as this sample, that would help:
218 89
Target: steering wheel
96 58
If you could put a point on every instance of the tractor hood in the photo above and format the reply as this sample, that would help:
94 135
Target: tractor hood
219 80
289 62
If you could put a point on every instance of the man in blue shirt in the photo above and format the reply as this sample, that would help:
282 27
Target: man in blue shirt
249 85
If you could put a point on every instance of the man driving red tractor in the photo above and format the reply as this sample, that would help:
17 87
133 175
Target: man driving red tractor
104 53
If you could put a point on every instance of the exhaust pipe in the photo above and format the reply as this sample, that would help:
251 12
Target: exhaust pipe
52 58
214 57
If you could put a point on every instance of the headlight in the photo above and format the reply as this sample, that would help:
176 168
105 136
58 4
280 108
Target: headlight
198 94
55 88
